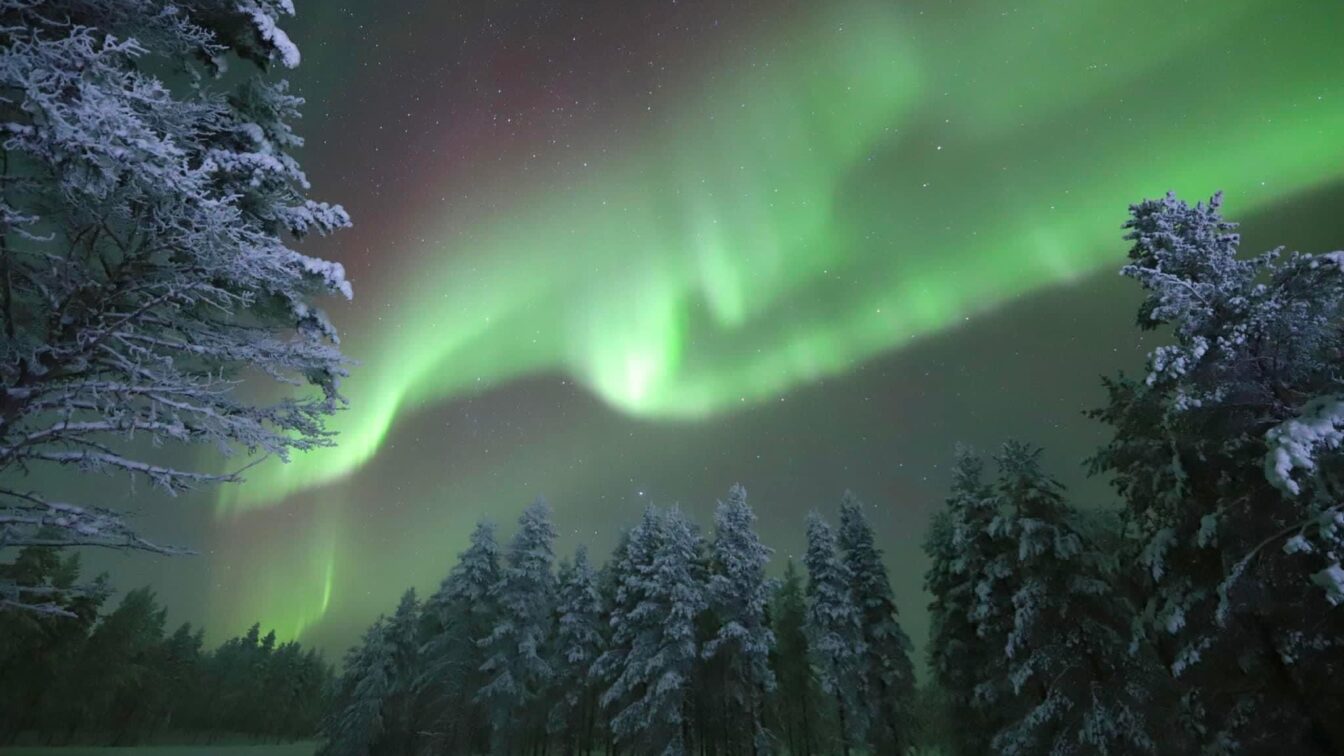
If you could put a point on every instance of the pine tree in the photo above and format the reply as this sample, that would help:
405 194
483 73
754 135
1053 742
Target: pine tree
653 651
796 701
739 594
971 607
1068 657
146 266
578 642
357 719
617 603
1227 455
41 653
627 588
889 673
402 636
835 632
121 651
455 618
516 666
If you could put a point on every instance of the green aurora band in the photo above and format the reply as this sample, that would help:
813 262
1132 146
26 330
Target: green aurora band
753 244
874 175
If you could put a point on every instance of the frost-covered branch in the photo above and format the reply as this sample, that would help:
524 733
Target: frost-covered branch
148 274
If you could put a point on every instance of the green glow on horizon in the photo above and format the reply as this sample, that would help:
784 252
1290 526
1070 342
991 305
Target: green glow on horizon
870 178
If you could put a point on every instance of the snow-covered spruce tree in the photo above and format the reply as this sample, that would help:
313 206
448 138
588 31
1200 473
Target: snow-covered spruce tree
1080 688
611 577
625 587
796 702
739 594
653 650
144 253
355 724
888 672
963 661
1227 454
402 635
835 633
578 642
516 666
454 619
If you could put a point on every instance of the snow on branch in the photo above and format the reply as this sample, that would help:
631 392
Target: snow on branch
1293 443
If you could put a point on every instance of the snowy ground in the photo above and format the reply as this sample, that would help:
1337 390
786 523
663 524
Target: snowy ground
291 749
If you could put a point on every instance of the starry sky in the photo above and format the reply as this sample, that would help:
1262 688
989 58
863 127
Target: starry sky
614 253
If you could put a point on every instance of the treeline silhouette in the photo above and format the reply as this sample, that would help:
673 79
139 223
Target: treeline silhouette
679 643
77 675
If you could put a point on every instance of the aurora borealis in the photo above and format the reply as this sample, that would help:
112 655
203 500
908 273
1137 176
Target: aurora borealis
642 251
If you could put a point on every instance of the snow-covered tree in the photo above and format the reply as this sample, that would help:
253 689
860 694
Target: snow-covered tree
578 642
739 594
357 719
835 632
889 674
516 666
653 650
797 709
402 636
454 619
1079 687
1227 454
961 661
145 257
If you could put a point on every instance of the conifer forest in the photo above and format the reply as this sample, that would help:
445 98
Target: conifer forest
690 378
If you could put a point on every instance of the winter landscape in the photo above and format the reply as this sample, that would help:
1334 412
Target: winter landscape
693 378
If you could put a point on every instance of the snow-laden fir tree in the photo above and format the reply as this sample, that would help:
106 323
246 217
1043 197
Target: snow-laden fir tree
625 584
1227 454
516 666
145 257
653 652
889 675
835 633
611 579
578 642
454 619
739 594
796 703
402 636
356 721
971 616
960 660
1079 686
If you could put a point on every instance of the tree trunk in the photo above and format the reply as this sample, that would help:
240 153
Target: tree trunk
844 728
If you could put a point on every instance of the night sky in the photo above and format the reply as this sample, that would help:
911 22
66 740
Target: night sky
615 253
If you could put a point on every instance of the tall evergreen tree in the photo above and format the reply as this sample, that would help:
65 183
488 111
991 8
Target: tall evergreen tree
1068 657
739 594
654 641
1227 455
123 652
41 652
797 704
402 636
455 618
371 713
889 675
970 602
617 601
357 721
516 665
578 642
835 632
